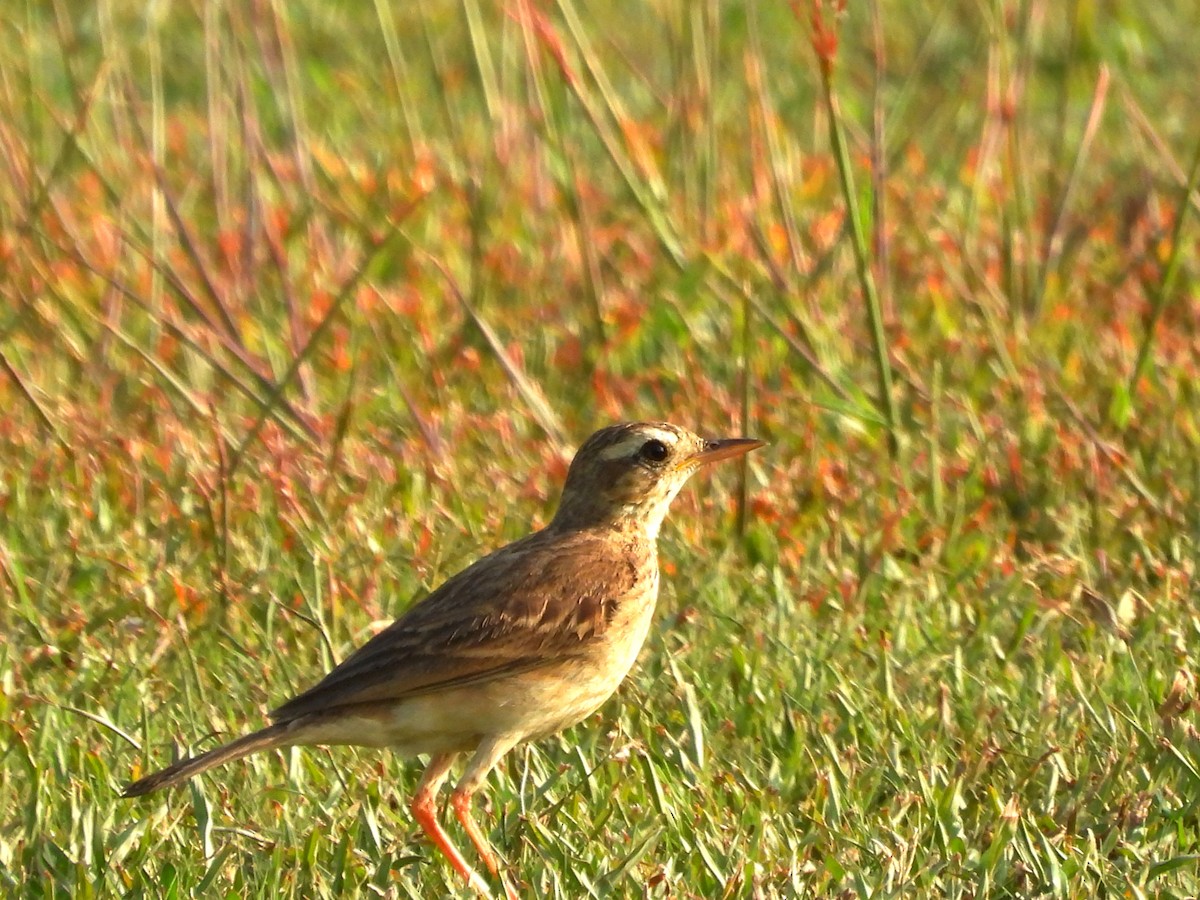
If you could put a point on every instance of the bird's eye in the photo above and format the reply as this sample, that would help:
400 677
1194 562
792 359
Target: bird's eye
653 451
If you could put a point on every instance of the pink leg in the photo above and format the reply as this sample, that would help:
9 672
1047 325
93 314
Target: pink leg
484 760
424 810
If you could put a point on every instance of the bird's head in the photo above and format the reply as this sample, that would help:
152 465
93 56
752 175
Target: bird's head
627 475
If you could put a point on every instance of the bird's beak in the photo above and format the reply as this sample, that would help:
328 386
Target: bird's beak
717 450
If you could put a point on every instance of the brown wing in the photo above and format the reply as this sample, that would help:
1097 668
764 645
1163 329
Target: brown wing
519 608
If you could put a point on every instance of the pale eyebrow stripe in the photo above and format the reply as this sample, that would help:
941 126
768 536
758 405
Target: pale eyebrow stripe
627 446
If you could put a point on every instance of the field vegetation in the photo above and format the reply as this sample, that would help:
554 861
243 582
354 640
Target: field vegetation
303 306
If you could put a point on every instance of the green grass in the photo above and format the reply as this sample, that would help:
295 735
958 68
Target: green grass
305 306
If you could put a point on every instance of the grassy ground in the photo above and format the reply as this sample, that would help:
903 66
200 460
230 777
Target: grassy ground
305 304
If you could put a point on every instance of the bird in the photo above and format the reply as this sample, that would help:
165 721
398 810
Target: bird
523 643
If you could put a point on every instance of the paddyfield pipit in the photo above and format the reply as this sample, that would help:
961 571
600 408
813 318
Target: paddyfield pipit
523 643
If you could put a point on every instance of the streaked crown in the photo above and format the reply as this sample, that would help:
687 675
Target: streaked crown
625 476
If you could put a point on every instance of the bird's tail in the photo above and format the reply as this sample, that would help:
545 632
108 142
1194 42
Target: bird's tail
272 736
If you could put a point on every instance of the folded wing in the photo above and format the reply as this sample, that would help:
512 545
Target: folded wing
515 610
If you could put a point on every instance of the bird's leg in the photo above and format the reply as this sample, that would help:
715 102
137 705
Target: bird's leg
424 810
484 760
461 801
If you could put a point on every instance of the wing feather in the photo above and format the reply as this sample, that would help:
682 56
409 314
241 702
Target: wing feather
520 608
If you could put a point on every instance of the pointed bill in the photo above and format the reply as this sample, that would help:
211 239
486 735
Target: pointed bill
726 449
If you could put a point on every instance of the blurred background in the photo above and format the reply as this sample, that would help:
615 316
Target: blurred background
303 306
